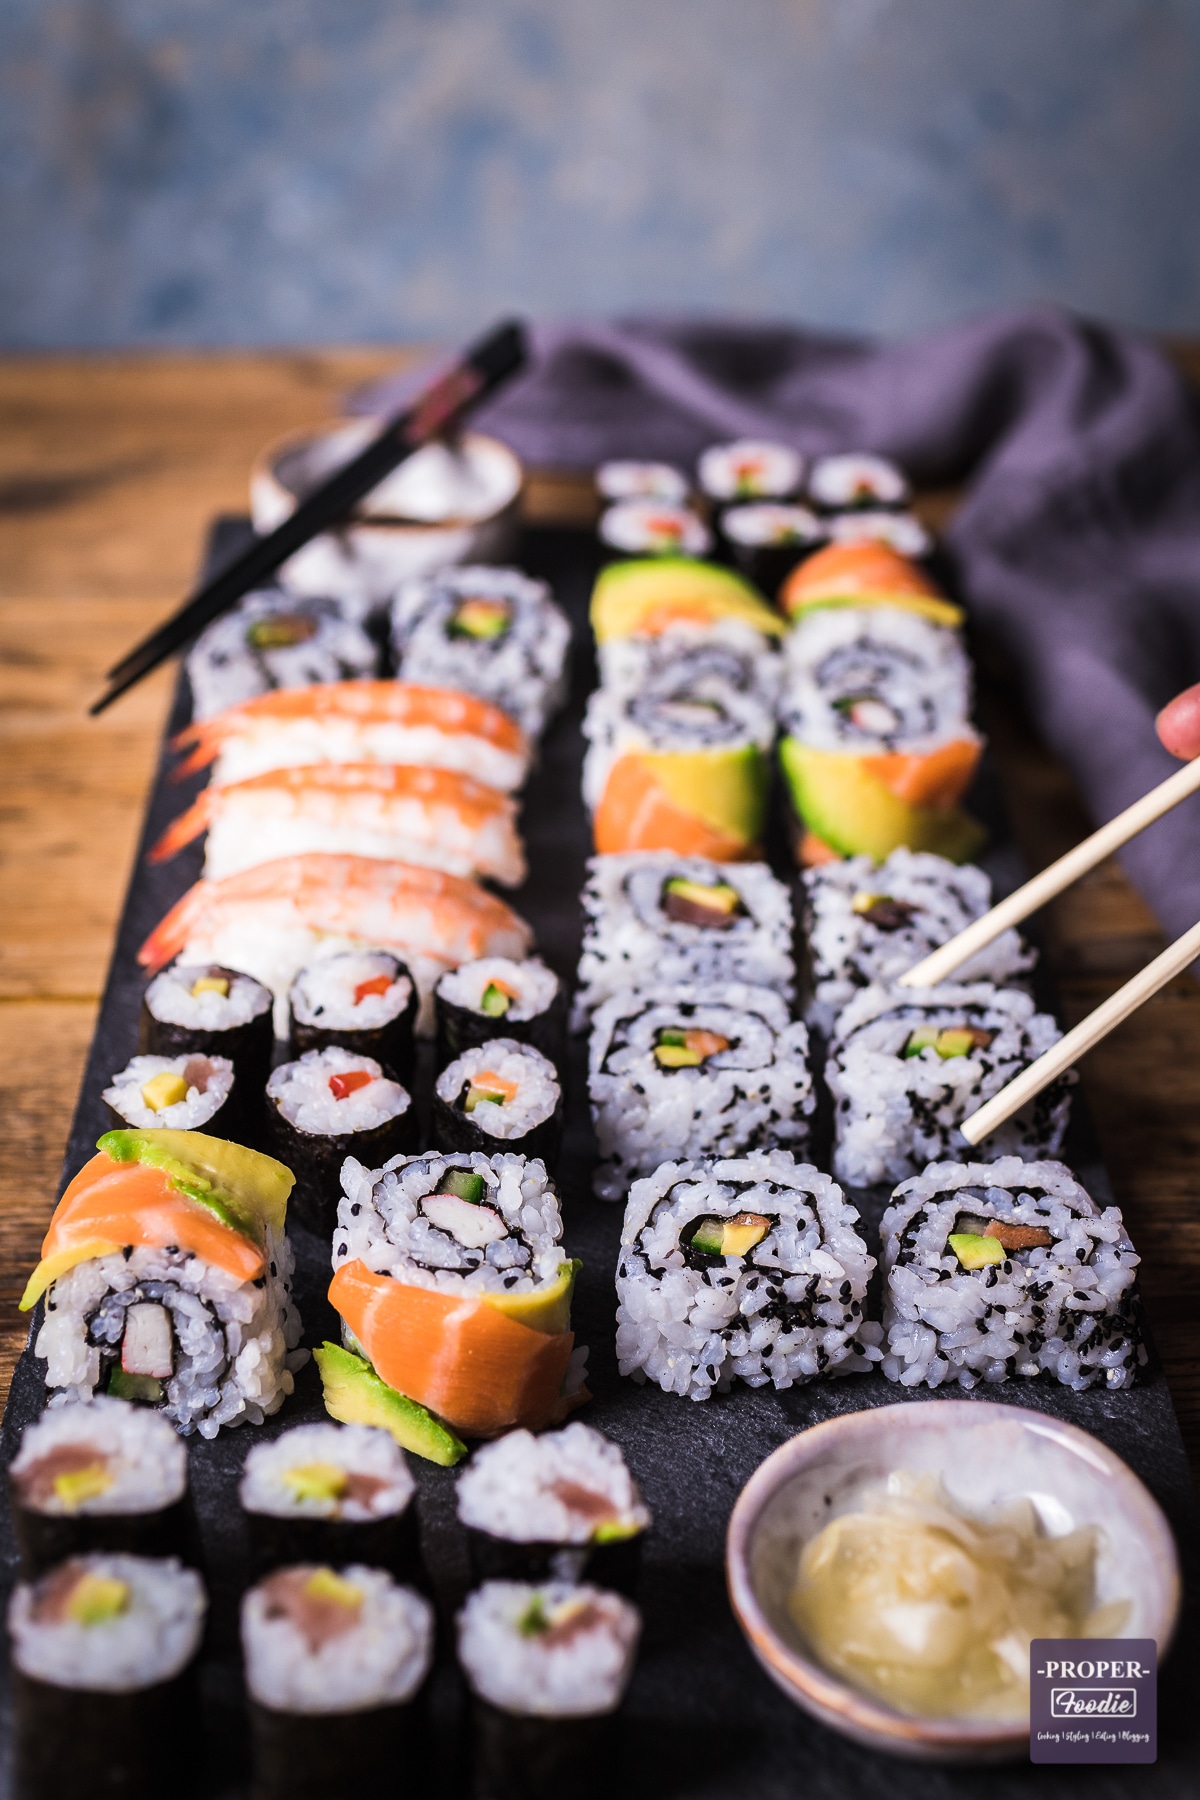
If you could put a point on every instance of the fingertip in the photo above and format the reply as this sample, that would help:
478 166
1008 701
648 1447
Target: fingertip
1178 724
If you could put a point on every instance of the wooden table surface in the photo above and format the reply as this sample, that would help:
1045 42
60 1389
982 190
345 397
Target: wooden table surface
110 468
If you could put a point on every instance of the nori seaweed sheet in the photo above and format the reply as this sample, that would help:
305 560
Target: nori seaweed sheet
454 1129
316 1157
702 1720
616 1565
44 1539
391 1044
460 1028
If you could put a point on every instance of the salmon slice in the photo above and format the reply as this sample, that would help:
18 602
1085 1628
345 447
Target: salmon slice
637 813
865 572
478 1368
930 778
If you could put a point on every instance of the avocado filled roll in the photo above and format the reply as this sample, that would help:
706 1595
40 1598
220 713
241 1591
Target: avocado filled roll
184 1093
104 1701
1004 1270
497 996
547 1667
750 1268
907 1065
502 1093
702 1070
559 1507
104 1476
328 1105
363 1000
330 1493
336 1660
275 640
208 1010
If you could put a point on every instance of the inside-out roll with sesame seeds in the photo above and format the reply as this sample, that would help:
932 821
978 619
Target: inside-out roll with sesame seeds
1007 1269
748 1268
906 1066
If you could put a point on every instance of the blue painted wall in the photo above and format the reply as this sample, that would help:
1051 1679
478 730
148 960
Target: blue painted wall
289 170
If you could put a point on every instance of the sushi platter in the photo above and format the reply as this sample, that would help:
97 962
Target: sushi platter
692 1394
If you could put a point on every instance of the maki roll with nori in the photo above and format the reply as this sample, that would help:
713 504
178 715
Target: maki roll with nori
766 540
748 469
559 1507
856 479
451 1281
208 1010
906 1066
492 632
104 1701
191 1313
750 1267
275 640
478 1000
901 530
106 1476
702 1070
637 528
361 1000
547 1667
501 1093
868 922
184 1093
625 480
1007 1269
656 919
336 1662
331 1493
326 1106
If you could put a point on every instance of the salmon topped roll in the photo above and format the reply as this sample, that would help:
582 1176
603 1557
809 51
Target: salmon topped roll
355 722
166 1275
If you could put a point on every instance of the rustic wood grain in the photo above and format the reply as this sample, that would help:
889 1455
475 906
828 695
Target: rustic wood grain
110 469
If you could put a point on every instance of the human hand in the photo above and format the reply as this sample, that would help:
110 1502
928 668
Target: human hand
1178 724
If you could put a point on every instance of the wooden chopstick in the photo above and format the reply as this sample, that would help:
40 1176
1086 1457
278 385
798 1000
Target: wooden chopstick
1173 961
1017 906
481 369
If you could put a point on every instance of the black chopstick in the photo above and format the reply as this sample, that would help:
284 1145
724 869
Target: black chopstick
481 369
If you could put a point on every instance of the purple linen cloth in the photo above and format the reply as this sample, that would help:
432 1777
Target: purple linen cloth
1078 543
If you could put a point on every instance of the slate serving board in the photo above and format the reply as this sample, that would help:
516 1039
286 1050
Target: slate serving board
702 1720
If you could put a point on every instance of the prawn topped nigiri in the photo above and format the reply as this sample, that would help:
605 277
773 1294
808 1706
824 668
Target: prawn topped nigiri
357 722
437 817
272 920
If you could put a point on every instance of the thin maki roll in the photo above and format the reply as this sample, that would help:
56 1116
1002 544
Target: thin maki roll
492 632
623 480
638 528
501 1093
547 1667
191 1312
749 469
364 1001
750 1268
901 530
656 919
766 540
559 1507
331 1493
1007 1269
104 1699
275 640
336 1661
524 1000
101 1477
869 922
207 1010
326 1106
184 1093
857 479
713 1069
451 1281
907 1065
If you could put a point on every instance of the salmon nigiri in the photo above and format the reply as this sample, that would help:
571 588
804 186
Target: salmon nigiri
415 815
356 722
271 920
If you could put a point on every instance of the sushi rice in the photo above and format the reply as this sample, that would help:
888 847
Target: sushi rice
561 1487
303 1093
148 1639
209 1084
379 1655
874 679
378 1481
548 1651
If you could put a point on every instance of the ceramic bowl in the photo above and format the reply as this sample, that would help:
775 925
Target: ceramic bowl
985 1453
439 507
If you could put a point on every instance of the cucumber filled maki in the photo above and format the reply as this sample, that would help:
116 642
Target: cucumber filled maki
907 1065
363 1000
106 1476
1003 1270
183 1093
748 1268
703 1070
326 1106
501 1093
497 997
562 1507
209 1010
336 1661
331 1493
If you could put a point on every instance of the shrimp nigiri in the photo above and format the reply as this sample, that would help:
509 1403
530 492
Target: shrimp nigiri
431 816
272 920
356 722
